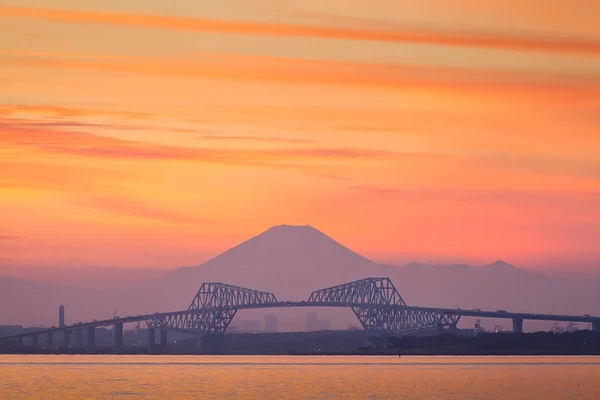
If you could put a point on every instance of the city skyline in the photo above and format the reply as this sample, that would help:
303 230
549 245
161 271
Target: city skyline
138 134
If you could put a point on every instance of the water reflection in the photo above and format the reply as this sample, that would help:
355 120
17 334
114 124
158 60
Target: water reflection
285 377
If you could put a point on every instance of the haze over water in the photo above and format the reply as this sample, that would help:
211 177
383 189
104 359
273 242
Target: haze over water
288 377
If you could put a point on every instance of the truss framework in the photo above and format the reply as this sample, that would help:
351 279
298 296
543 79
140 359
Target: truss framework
375 301
372 291
380 308
212 309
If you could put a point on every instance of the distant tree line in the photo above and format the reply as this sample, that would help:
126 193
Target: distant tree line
576 343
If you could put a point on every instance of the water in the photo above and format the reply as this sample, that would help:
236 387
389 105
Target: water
286 377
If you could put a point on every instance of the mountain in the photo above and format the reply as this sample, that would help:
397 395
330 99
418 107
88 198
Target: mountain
292 261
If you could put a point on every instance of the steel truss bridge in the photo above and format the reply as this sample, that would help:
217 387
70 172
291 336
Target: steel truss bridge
375 302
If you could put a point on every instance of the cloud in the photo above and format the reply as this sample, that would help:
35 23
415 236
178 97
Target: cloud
556 164
28 123
22 33
80 144
10 244
51 175
589 200
313 160
57 111
377 191
383 32
522 85
137 209
267 139
8 237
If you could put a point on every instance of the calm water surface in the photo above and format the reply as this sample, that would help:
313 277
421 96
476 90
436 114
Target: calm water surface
264 377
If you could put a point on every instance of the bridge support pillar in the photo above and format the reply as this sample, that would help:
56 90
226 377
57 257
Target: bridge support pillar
163 340
50 340
91 339
517 325
452 328
66 339
79 338
151 341
596 325
212 344
118 338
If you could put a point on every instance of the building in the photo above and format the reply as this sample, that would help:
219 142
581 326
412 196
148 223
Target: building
247 326
61 316
271 323
313 323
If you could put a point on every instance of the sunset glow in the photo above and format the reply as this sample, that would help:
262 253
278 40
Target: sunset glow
158 133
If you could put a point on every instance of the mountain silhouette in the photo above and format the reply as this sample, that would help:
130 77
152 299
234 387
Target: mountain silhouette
292 261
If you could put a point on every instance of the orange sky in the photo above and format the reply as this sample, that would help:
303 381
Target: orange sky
155 134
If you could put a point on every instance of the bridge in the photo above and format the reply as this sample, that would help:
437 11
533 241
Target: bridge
375 302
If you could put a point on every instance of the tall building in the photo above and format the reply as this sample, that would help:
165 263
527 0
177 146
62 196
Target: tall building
312 321
247 326
324 325
61 316
271 323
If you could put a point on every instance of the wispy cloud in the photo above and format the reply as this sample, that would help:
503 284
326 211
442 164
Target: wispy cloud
389 33
590 200
305 159
62 124
8 237
42 173
377 191
19 32
58 111
267 139
524 85
82 144
137 209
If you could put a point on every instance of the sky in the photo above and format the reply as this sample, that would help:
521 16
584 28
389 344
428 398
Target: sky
157 133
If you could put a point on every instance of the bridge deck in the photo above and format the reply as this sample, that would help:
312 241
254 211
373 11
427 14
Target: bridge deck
289 304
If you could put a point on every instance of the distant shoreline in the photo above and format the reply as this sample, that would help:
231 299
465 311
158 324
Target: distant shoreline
350 343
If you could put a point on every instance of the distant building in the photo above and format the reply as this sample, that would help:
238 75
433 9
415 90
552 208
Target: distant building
271 323
61 316
313 323
247 326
